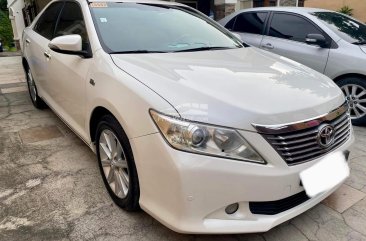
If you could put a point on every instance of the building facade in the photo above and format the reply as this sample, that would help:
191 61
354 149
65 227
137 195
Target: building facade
22 12
358 6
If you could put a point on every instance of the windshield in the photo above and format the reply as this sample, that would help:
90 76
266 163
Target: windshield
144 28
347 28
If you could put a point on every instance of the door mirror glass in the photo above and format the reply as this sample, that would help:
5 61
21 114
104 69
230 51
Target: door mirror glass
67 44
316 39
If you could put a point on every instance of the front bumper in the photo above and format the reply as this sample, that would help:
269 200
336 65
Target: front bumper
189 193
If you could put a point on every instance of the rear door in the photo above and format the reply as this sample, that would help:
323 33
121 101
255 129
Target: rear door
36 45
286 36
250 27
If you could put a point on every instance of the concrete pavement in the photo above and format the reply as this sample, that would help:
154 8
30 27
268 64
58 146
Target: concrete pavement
51 189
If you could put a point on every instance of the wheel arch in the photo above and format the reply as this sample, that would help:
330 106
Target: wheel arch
97 113
350 75
25 63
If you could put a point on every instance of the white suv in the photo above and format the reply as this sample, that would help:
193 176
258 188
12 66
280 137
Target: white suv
202 133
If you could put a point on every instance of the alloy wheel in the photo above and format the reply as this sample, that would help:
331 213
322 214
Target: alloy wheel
114 163
356 99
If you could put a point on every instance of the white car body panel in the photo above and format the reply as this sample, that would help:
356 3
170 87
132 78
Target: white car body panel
177 187
223 82
233 88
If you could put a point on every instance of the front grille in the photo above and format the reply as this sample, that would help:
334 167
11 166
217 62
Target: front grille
279 206
300 146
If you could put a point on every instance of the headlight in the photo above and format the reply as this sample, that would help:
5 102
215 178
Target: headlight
205 139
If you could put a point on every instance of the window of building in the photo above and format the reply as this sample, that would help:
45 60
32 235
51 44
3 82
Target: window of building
258 3
291 27
250 22
264 3
46 23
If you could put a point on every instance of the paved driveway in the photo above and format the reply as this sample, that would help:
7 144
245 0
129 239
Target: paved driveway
51 189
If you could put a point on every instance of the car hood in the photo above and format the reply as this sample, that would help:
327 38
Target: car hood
234 88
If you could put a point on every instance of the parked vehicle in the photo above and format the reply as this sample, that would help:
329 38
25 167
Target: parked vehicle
1 46
329 42
204 134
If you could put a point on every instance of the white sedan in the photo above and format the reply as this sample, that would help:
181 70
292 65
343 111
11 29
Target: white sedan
202 133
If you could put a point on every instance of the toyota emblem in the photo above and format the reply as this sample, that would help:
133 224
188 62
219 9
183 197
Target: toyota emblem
325 136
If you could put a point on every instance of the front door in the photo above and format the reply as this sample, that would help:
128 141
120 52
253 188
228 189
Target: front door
70 72
286 37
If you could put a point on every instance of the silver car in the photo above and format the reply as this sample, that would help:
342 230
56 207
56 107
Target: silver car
329 42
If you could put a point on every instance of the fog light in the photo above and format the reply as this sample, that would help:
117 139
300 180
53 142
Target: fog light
232 208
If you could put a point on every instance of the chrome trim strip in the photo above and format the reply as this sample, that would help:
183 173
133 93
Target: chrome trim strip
301 125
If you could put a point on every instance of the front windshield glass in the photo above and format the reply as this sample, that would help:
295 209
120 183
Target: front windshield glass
144 28
345 27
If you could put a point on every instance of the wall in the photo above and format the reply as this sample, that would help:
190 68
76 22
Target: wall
17 20
359 6
288 3
245 4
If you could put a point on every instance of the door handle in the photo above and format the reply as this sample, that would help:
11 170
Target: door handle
27 41
268 46
47 55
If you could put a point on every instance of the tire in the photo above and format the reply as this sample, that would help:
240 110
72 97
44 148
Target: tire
32 90
354 89
117 164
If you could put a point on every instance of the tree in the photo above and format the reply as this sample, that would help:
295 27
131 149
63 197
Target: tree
6 33
3 5
346 10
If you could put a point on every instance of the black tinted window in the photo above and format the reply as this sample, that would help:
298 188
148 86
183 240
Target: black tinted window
72 22
46 23
230 24
250 22
291 27
346 28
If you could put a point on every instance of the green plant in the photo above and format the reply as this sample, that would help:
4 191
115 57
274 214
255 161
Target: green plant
6 32
346 10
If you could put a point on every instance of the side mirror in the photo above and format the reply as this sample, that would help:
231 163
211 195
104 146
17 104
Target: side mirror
68 44
316 39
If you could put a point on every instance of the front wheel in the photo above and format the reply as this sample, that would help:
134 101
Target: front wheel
354 90
117 164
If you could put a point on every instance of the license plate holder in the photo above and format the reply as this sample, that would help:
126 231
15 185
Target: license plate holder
325 174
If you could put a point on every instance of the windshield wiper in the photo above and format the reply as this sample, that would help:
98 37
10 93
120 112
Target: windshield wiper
142 51
202 49
360 43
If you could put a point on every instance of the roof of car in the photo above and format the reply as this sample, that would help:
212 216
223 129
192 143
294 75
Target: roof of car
141 1
300 10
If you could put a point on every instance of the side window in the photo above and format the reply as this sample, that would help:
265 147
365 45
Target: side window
291 27
250 23
230 24
72 22
45 25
